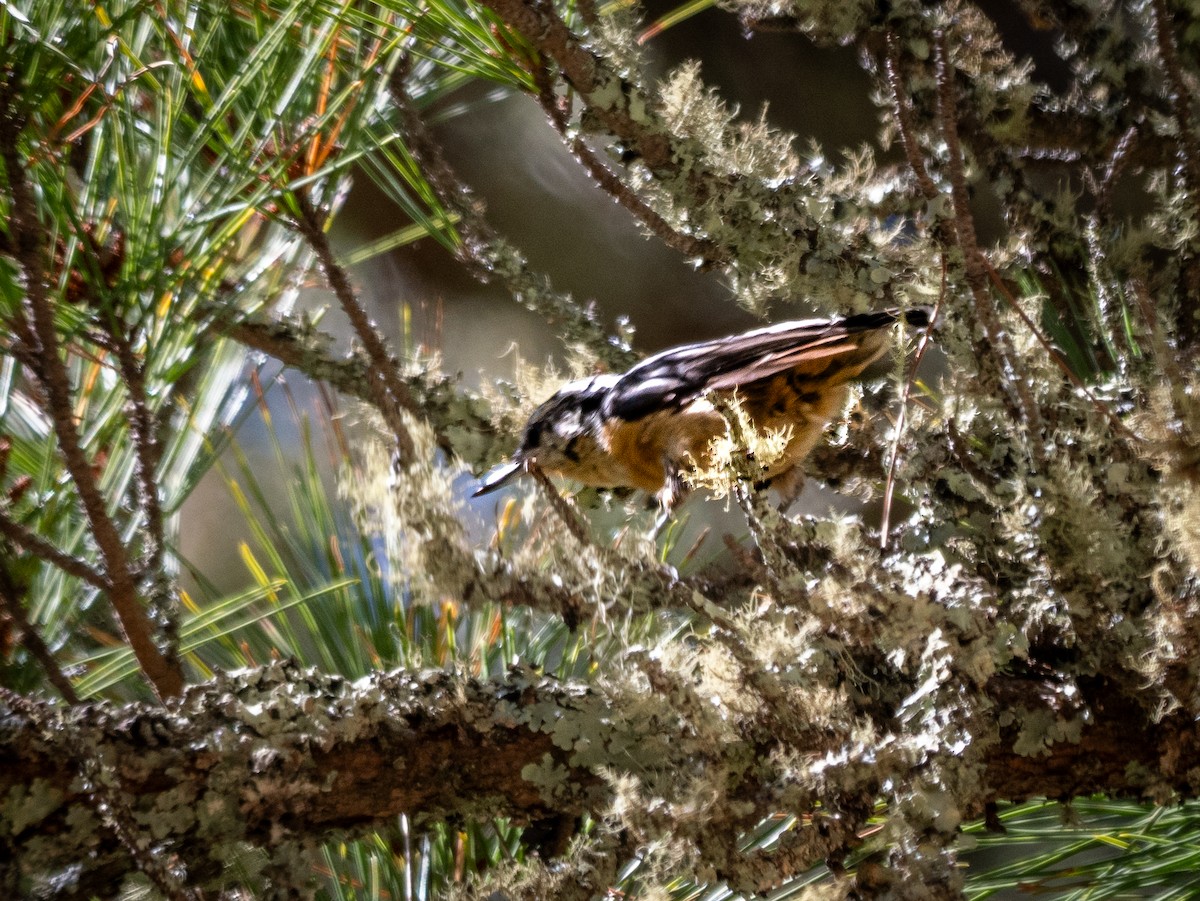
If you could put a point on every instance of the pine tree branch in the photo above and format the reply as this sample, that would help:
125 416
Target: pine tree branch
110 802
442 747
997 359
491 259
163 673
708 253
147 444
460 420
1182 104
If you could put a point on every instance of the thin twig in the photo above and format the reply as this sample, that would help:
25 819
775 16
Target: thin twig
773 558
562 508
907 125
10 601
1189 153
1117 164
1057 357
489 258
441 404
1181 98
1165 358
391 395
1185 458
35 544
664 578
165 675
147 445
618 103
1102 191
708 253
584 71
964 221
901 417
23 244
963 232
1023 407
694 248
959 450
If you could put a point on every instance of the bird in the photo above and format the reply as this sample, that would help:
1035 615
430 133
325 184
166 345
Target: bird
645 428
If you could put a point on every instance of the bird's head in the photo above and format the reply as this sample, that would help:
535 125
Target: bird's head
556 432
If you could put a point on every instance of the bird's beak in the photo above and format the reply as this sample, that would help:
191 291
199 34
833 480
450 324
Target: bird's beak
498 477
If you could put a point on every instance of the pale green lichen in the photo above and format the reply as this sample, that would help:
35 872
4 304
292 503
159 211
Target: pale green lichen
24 805
1039 729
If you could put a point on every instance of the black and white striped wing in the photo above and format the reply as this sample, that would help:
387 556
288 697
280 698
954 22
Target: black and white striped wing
676 377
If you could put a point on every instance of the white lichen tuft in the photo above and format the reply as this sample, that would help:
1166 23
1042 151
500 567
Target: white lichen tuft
416 511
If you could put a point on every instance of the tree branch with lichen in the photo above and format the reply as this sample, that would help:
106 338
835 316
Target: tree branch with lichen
545 751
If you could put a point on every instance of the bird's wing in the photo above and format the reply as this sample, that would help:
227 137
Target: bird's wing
676 377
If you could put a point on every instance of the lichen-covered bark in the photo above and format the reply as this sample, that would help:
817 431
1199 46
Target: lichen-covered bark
281 756
285 757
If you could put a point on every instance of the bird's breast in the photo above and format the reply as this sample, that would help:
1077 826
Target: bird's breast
643 452
646 449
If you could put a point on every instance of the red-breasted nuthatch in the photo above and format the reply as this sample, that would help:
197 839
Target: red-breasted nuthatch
643 428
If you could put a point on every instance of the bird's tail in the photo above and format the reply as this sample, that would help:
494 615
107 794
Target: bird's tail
917 317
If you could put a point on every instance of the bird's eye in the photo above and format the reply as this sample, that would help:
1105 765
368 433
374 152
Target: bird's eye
533 437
